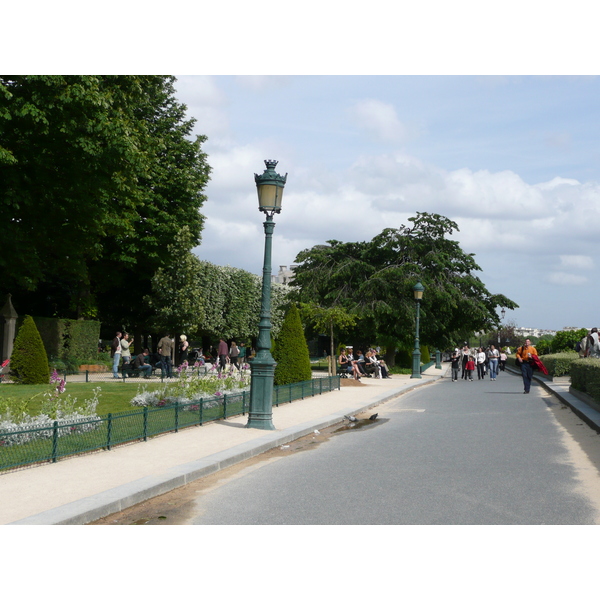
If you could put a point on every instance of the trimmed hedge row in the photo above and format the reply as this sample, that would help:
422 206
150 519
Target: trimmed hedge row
585 376
559 364
69 339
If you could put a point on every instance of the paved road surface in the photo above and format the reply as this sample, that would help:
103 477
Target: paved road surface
449 453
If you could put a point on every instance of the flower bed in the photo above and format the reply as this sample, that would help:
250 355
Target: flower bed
18 427
191 387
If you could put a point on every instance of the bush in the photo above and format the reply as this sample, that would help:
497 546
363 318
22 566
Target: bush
559 364
75 342
291 351
404 359
425 356
28 361
585 376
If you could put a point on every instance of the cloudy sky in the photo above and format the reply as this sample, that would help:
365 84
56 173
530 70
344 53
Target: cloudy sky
513 160
463 114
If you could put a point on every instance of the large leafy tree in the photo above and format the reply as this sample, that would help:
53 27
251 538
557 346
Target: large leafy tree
374 280
97 174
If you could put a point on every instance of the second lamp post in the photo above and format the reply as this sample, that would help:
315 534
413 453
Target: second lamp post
416 370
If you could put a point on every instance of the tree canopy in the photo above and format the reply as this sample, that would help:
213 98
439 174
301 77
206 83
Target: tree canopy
97 175
374 280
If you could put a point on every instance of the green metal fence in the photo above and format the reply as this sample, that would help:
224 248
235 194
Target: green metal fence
47 444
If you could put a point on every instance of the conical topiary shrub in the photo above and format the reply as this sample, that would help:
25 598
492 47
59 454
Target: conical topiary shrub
291 351
28 361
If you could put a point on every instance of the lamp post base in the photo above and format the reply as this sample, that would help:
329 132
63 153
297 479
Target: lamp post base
260 413
416 370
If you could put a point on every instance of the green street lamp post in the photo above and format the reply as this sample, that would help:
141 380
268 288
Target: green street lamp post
262 368
503 313
416 370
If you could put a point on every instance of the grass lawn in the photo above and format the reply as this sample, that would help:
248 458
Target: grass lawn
114 397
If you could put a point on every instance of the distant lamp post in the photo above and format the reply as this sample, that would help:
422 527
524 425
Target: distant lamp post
416 370
503 312
262 369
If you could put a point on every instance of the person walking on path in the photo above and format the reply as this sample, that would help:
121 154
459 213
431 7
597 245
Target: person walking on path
455 366
493 356
242 355
524 353
480 364
115 352
222 352
502 362
469 368
234 352
165 349
464 358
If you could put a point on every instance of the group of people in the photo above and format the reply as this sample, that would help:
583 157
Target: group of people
227 357
491 360
483 360
231 357
364 365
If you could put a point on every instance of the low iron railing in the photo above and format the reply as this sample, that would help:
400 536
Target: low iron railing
47 444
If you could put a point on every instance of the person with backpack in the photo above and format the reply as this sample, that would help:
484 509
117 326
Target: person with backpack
593 344
524 354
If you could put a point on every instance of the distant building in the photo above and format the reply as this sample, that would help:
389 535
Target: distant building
284 275
533 332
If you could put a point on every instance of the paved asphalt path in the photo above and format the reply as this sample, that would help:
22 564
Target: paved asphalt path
476 452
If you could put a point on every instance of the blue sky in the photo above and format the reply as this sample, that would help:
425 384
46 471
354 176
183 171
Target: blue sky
512 159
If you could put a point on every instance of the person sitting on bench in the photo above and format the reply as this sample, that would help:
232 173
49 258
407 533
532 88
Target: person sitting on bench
140 364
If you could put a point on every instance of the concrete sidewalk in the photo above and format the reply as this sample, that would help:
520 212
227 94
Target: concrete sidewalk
81 489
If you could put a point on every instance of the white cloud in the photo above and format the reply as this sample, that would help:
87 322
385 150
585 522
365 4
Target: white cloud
207 103
379 120
565 279
576 261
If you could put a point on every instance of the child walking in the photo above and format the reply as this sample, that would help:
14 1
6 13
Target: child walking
470 367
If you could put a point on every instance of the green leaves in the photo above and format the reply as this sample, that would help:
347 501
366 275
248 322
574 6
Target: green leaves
374 280
97 176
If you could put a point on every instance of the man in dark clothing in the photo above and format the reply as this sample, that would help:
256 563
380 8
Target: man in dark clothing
165 349
223 352
140 363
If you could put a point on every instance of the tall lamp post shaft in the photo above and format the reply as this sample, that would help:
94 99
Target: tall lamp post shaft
416 371
260 413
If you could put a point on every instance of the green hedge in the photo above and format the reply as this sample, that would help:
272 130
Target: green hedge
69 340
559 364
585 376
